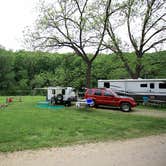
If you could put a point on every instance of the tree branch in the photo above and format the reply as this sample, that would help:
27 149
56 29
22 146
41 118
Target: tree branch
131 37
155 22
104 29
155 43
153 35
147 17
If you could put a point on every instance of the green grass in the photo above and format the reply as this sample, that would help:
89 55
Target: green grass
24 126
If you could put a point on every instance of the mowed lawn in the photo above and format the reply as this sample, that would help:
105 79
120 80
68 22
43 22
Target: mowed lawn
24 126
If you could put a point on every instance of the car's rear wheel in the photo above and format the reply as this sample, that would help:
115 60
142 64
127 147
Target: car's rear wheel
125 107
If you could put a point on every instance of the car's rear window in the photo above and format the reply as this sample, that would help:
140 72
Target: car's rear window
90 91
98 92
108 93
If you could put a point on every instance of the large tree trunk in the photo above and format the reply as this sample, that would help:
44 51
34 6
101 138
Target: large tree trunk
138 68
88 74
126 64
137 73
133 73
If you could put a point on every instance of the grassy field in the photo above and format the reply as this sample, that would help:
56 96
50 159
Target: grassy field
24 126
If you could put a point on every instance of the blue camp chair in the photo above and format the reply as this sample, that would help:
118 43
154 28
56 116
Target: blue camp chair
89 102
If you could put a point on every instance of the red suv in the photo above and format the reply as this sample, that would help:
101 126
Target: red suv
108 97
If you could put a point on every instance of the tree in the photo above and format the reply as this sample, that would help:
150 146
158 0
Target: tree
71 23
6 72
145 21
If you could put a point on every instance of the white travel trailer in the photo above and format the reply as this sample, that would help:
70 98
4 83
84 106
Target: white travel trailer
65 93
138 88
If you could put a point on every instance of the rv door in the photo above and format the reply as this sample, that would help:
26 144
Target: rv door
152 87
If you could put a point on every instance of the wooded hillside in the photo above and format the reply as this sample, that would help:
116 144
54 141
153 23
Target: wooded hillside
21 72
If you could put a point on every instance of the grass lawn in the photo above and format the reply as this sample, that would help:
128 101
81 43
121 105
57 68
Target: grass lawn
24 126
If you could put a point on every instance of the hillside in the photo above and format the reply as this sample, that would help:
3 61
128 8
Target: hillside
22 71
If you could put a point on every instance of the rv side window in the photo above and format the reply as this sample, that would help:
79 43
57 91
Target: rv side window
53 91
106 84
151 85
63 91
162 85
143 85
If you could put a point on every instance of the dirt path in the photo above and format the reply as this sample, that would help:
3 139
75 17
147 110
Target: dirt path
139 111
145 112
138 152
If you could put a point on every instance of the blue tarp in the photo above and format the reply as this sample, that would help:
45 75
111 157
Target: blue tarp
47 105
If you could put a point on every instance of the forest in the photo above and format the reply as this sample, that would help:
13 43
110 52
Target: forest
22 71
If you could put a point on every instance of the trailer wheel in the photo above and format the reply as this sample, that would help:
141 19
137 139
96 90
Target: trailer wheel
125 107
60 98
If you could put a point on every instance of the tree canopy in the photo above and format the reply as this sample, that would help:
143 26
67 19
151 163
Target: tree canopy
22 71
71 23
144 29
98 25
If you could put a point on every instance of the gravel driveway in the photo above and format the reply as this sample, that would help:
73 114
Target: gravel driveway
138 152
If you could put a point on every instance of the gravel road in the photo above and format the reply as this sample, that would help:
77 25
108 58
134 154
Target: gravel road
146 112
138 152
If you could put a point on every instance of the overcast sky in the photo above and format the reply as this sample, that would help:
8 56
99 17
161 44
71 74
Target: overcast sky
15 15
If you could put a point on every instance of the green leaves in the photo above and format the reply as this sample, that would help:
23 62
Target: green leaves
20 71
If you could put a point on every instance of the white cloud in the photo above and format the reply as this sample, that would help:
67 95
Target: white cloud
14 17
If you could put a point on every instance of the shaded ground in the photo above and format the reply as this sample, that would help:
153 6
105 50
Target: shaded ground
138 152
